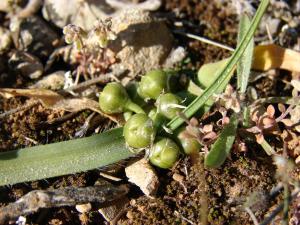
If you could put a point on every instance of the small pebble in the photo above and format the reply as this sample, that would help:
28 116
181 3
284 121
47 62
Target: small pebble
83 208
142 174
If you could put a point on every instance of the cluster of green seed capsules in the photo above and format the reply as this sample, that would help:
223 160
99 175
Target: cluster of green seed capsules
147 106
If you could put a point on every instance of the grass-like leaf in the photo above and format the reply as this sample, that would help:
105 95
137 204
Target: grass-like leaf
244 64
200 101
222 146
63 158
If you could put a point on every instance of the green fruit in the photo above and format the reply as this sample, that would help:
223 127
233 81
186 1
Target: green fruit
139 131
164 153
190 145
169 105
114 99
153 84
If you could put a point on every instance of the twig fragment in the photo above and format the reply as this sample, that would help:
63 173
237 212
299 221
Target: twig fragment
102 194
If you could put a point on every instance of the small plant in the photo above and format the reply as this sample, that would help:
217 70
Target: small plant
109 147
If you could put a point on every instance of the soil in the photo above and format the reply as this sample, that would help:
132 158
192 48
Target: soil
215 196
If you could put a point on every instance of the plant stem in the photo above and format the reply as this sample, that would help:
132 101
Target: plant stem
134 107
286 204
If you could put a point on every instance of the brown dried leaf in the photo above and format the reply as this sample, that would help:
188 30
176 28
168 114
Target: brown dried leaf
267 122
52 100
271 111
287 122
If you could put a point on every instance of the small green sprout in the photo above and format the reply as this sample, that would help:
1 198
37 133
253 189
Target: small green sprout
164 153
153 84
139 131
114 99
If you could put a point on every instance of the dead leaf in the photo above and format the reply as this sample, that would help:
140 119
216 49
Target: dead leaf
53 100
272 56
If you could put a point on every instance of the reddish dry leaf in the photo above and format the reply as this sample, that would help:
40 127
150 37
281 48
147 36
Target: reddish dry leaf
52 100
272 56
271 111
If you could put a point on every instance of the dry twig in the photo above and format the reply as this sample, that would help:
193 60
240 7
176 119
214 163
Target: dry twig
70 196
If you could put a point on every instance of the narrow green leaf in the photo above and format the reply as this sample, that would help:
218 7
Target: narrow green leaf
200 101
63 158
244 64
221 148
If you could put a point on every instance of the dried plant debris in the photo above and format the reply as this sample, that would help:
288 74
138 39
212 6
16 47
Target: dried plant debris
53 100
70 196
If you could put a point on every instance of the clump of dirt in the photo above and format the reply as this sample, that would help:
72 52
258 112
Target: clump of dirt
212 20
36 125
224 190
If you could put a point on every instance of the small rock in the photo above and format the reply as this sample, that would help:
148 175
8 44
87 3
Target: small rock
84 208
80 13
27 64
177 177
143 175
37 37
143 43
53 81
5 40
111 212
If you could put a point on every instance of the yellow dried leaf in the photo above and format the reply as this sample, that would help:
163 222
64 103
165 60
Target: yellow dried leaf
272 56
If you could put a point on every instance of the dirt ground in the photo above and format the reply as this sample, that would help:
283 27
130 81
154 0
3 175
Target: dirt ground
218 194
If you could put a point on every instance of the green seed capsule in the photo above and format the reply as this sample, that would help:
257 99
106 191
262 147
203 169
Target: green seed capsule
190 145
153 84
139 131
114 99
169 105
164 153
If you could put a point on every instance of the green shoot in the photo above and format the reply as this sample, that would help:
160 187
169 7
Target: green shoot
222 146
244 64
